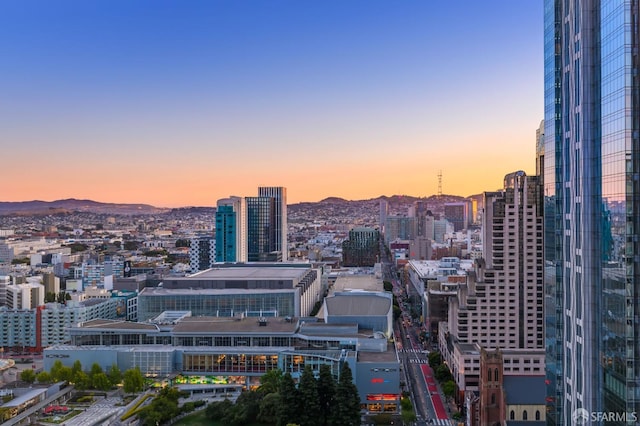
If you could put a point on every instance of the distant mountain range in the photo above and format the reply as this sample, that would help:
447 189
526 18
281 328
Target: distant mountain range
36 207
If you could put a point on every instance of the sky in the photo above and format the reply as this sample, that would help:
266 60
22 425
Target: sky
181 103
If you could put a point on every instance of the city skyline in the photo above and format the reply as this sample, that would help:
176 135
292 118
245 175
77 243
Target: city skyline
169 105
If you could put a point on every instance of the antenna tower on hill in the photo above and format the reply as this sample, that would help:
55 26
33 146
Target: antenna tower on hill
439 183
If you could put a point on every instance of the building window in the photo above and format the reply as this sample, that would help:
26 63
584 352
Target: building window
537 415
493 398
489 375
512 415
525 416
496 375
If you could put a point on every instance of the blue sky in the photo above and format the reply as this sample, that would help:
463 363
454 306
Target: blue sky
143 99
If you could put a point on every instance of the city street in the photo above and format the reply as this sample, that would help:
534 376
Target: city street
418 375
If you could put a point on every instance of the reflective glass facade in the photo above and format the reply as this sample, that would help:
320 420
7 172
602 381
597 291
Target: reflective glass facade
591 208
226 234
280 231
261 245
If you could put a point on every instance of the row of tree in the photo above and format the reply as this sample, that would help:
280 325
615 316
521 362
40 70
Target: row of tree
278 401
442 373
94 378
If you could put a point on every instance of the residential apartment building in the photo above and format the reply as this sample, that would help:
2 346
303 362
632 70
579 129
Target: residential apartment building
48 324
501 304
202 253
362 248
24 296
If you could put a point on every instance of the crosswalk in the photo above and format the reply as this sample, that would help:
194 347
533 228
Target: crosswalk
412 351
418 361
443 422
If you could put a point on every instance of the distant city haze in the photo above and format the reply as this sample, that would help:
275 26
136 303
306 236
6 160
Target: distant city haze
181 104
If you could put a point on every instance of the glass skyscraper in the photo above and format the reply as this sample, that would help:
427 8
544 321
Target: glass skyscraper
592 217
231 230
261 245
280 231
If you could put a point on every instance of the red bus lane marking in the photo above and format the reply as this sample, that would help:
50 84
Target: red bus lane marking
438 406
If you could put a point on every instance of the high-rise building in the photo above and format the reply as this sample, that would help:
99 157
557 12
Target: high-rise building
267 225
362 248
202 253
280 231
231 230
384 212
500 304
457 214
591 154
399 227
261 246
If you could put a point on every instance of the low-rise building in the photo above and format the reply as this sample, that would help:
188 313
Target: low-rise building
259 290
224 351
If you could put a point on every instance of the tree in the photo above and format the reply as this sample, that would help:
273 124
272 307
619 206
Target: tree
246 409
346 410
155 253
183 242
408 414
269 408
133 381
60 373
308 391
76 247
28 376
448 388
326 392
289 402
55 369
270 381
163 408
218 410
62 298
397 312
434 359
387 286
114 374
49 297
76 367
131 245
442 373
100 381
95 369
81 380
43 377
